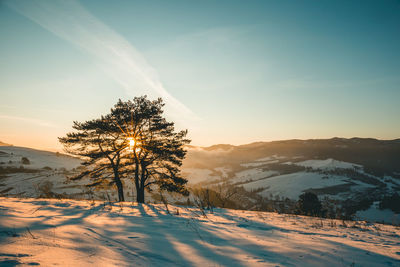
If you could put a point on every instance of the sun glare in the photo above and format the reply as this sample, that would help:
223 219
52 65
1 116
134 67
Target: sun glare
131 142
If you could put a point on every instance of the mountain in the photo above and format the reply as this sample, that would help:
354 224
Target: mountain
354 174
377 156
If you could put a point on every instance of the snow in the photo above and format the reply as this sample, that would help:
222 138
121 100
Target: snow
27 184
38 158
374 214
252 174
391 183
293 185
83 233
327 164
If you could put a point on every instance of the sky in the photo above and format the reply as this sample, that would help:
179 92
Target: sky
229 71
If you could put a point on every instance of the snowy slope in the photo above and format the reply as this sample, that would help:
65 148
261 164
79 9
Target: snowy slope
81 233
289 185
283 176
327 164
38 158
272 177
374 214
45 169
294 184
252 175
47 175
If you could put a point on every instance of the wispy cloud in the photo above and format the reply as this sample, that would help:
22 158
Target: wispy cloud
120 59
29 120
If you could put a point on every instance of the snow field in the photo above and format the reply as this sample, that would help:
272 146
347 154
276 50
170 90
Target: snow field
66 232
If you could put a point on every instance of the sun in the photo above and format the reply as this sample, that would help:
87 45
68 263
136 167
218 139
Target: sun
131 142
133 146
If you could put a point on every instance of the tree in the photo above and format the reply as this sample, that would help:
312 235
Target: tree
225 193
221 195
100 144
204 198
309 204
25 161
391 202
133 141
156 150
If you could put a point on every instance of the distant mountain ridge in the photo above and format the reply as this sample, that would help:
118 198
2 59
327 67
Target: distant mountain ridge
337 140
4 144
378 156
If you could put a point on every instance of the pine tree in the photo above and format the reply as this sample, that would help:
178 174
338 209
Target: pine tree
100 144
133 141
309 204
156 151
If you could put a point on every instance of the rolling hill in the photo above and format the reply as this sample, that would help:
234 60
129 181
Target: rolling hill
352 173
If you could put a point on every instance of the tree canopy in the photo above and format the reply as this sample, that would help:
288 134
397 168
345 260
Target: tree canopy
309 204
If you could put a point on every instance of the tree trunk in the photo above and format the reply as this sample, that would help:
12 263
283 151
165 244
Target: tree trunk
120 188
140 189
140 195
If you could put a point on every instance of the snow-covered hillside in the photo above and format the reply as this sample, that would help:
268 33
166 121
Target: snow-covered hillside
27 172
46 174
294 184
278 177
270 176
83 233
327 164
275 179
12 155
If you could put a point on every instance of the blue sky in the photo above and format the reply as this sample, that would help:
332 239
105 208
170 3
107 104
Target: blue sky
230 71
